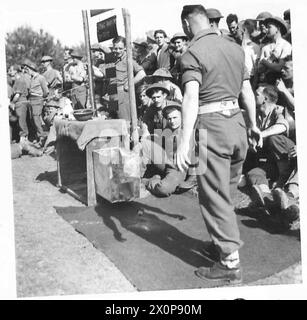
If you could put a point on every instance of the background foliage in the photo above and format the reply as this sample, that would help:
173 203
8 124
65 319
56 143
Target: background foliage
24 42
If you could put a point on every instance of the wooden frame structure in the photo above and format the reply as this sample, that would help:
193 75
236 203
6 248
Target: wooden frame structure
97 143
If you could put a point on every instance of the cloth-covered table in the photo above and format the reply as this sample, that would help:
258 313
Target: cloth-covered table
75 143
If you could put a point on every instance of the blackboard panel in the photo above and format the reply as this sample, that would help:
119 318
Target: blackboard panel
106 29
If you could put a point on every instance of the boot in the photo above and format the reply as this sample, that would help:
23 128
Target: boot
188 184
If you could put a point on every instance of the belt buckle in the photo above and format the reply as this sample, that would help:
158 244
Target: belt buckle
227 111
224 103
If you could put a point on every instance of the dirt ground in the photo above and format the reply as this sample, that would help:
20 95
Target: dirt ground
51 257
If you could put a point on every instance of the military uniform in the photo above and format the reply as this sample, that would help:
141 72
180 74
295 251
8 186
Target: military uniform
37 93
218 66
79 89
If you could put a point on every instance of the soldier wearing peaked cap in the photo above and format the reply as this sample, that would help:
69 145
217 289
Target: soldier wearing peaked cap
46 59
78 76
213 78
180 42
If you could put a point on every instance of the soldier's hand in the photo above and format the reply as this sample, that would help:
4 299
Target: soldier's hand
182 155
12 106
255 138
280 85
292 153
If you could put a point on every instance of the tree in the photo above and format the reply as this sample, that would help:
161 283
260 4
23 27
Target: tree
24 42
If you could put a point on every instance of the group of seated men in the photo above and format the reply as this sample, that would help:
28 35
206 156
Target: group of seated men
270 170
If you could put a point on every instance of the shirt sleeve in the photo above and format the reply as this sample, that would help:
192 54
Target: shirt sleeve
287 50
246 74
136 67
81 72
191 68
18 87
44 86
280 119
264 52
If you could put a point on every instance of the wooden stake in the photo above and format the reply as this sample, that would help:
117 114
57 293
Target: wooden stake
132 102
89 59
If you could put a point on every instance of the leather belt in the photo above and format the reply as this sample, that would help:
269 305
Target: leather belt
218 106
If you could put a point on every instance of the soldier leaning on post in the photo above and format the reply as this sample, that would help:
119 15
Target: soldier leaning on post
100 83
121 79
68 61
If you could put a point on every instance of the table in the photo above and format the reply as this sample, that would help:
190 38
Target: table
75 143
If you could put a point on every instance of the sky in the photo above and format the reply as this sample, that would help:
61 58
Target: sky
64 21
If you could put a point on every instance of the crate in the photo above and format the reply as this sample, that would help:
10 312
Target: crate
117 174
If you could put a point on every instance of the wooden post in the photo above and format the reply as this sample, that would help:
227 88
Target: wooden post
89 59
132 102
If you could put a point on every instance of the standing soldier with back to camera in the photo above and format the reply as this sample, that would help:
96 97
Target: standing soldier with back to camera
213 77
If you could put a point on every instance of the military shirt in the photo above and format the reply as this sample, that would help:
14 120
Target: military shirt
38 86
21 87
216 64
274 117
122 71
53 78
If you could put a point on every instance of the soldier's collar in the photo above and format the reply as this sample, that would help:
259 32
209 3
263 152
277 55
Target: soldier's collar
202 33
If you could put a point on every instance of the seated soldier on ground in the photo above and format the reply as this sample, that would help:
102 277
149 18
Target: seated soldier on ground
144 101
274 54
286 96
164 76
153 118
160 153
288 196
275 153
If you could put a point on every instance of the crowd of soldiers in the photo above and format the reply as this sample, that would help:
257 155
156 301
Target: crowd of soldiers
270 168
